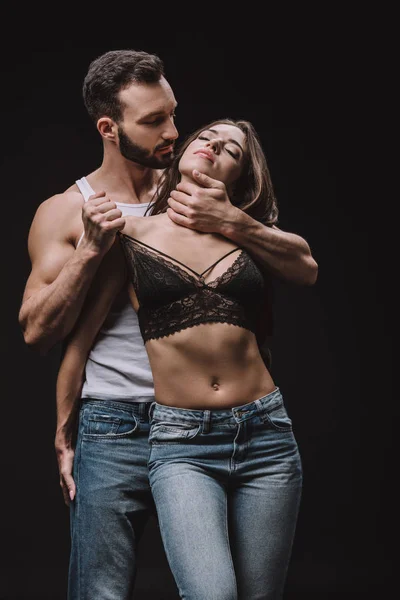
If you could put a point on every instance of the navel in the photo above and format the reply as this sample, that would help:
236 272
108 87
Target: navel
215 383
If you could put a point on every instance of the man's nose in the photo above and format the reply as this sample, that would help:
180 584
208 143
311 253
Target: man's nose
170 132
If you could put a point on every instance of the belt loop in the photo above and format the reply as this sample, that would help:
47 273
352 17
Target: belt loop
151 410
260 410
206 421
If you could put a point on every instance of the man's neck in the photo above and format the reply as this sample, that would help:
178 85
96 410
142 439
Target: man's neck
125 181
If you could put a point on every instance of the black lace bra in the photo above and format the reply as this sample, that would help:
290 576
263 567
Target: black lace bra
171 299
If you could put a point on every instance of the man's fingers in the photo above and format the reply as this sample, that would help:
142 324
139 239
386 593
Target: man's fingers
206 181
181 197
68 495
105 207
65 459
180 208
178 218
68 487
186 187
65 491
97 208
113 225
97 196
65 496
113 214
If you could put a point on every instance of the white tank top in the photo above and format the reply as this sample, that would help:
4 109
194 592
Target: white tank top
118 367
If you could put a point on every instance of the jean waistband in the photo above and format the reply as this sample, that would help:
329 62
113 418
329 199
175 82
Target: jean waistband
140 407
159 412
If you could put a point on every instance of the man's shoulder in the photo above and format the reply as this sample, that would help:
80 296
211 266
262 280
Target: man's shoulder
69 200
60 214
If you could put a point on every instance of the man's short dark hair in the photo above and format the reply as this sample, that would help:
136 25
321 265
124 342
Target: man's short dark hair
113 71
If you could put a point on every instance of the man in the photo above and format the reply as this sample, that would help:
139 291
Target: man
133 107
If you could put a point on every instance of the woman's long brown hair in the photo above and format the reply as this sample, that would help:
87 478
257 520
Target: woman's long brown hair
253 191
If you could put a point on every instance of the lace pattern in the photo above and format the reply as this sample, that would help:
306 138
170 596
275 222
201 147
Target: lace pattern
172 299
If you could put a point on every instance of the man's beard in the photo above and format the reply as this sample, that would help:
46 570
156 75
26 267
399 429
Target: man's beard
137 154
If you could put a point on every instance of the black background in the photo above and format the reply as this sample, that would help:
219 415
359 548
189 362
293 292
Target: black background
316 85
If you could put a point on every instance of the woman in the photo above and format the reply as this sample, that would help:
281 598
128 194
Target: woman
224 466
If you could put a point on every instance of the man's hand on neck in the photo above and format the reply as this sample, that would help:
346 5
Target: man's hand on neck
202 204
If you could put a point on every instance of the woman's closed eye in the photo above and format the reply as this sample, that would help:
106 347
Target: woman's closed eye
233 154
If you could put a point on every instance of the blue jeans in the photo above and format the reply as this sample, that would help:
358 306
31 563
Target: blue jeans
227 487
113 500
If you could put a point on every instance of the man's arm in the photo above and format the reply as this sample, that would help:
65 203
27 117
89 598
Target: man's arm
61 274
109 279
284 254
206 207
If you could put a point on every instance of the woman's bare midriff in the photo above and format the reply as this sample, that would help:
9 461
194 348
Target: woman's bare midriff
208 366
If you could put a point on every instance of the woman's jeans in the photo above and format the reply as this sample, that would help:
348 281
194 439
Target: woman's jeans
227 487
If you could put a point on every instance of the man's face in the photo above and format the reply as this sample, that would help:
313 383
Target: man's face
147 132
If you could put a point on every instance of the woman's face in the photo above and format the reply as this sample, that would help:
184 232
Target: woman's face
218 152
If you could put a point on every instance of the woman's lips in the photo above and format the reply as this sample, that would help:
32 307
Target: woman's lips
205 154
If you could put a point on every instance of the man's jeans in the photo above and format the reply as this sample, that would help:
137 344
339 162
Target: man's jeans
227 487
113 500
